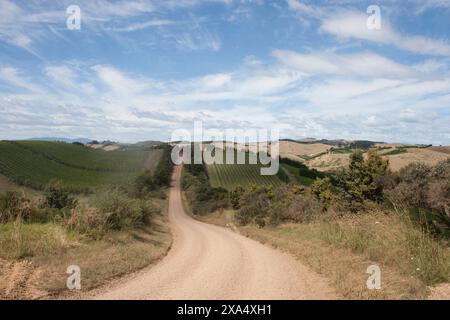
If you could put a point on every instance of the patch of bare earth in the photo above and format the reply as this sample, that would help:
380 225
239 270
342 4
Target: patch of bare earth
19 280
440 292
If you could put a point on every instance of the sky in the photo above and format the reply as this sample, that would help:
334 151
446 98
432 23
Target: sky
139 69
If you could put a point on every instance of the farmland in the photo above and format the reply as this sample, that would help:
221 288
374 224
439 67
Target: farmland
230 176
78 156
36 163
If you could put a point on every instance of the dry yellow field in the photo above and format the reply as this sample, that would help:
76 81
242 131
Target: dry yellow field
295 150
329 162
426 156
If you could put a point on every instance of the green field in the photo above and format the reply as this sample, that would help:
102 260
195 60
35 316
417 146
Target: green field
296 174
36 163
230 176
79 156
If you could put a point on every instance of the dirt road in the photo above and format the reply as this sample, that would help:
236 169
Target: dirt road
210 262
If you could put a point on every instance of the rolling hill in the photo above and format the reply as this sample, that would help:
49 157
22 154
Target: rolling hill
36 163
230 176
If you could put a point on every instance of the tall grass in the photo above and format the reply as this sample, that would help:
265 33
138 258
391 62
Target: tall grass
394 240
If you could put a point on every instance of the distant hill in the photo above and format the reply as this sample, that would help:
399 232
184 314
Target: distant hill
59 139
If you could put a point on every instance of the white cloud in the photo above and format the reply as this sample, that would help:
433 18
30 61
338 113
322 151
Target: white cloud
144 25
350 24
358 64
353 25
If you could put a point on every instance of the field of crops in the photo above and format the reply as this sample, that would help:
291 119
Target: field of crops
230 176
35 163
78 156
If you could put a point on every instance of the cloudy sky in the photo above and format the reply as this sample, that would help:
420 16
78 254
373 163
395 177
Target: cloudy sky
138 69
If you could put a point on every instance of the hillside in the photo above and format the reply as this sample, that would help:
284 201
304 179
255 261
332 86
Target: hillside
36 163
230 176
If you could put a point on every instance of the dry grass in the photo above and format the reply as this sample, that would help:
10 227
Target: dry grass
442 149
295 150
329 162
342 249
34 257
430 156
427 156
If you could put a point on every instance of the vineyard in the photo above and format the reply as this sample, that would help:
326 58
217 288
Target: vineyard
36 163
230 176
78 156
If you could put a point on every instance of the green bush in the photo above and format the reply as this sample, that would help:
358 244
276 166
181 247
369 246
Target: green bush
56 196
160 177
325 192
92 222
123 211
202 197
254 207
364 179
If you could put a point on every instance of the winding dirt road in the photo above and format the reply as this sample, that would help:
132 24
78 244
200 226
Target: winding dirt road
210 262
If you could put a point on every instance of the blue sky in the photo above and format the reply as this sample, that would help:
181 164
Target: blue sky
137 70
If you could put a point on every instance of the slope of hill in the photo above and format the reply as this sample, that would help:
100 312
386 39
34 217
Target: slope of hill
36 163
79 156
230 176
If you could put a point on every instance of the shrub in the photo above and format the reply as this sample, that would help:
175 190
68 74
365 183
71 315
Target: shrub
235 197
303 208
325 192
202 197
56 196
13 205
161 177
92 222
123 211
438 196
364 179
254 208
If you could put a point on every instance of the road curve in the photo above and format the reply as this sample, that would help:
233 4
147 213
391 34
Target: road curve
210 262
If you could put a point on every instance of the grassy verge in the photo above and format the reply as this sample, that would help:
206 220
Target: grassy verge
341 249
34 256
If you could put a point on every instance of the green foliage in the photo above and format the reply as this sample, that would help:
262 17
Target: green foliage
254 207
235 197
425 192
203 198
364 180
160 177
271 206
56 196
122 211
304 175
37 168
230 176
395 151
324 190
76 155
362 144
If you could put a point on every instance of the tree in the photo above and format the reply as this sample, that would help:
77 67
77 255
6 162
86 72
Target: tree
364 180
